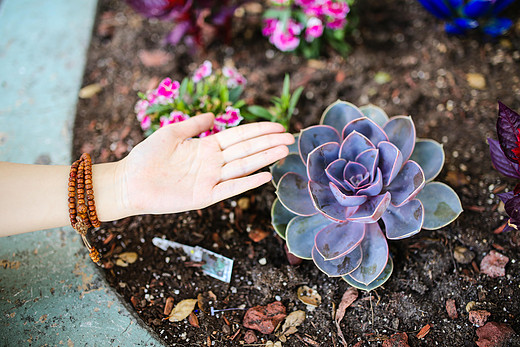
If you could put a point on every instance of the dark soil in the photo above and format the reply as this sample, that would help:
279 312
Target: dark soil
428 71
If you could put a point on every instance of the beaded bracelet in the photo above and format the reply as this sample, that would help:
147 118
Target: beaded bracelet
82 207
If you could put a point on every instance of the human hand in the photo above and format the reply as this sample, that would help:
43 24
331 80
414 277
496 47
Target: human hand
172 172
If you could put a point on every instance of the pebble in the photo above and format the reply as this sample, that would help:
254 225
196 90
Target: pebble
262 261
494 264
479 317
397 340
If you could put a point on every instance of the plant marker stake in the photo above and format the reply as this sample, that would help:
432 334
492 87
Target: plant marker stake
213 311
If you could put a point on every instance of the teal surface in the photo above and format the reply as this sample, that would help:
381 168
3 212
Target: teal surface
50 291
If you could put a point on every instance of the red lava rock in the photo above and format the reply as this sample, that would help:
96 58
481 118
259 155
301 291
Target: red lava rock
451 309
479 317
250 337
494 335
265 318
397 340
494 264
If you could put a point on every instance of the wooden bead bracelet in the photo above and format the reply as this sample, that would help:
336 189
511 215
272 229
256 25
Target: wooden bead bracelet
82 207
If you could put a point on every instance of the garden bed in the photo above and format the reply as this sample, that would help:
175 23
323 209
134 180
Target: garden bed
425 75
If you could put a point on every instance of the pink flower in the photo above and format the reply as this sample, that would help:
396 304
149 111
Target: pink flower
146 123
154 98
168 88
202 71
216 129
294 27
269 26
178 116
337 24
284 41
231 118
234 77
140 108
314 29
312 8
336 10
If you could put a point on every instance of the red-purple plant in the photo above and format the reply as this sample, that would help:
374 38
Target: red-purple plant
505 156
192 18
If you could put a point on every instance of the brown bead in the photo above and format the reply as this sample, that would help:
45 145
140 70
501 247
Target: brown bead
72 189
91 207
81 201
72 200
72 205
72 194
72 210
88 186
82 208
88 181
91 203
80 186
72 184
89 191
81 191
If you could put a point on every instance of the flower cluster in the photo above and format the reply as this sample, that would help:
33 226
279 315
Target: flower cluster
465 15
290 24
206 91
354 181
505 156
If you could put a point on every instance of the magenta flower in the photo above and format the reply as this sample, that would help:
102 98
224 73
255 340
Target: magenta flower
175 117
146 122
314 29
202 71
269 26
293 27
140 108
235 78
216 129
337 23
336 10
168 88
231 118
284 41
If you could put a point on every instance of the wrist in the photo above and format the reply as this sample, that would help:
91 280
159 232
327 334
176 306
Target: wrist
110 191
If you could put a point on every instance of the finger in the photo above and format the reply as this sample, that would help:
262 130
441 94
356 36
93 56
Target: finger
237 186
245 132
247 165
193 126
255 145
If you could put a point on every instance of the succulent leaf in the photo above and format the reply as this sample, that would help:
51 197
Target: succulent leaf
401 132
338 114
429 154
441 205
293 148
338 239
501 163
335 171
372 209
315 136
375 113
340 266
368 128
375 186
385 275
353 145
301 232
294 195
403 221
375 255
280 217
369 159
407 184
497 26
319 159
325 202
291 163
390 161
345 199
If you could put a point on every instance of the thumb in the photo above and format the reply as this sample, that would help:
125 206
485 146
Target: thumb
194 125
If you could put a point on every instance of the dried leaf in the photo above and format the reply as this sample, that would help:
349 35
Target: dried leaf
309 296
294 319
182 310
168 306
126 258
264 318
89 91
348 298
424 331
193 320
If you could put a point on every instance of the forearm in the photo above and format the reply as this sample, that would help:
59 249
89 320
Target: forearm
34 197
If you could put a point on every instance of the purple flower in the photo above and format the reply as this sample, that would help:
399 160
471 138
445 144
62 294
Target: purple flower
314 29
202 71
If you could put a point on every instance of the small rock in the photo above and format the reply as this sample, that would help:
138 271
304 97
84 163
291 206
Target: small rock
494 335
476 81
397 340
494 264
451 308
265 318
250 337
463 255
479 317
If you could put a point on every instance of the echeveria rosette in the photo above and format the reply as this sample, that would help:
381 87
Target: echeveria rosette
354 181
505 156
463 15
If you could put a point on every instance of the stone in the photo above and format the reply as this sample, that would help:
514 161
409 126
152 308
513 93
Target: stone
451 308
265 318
494 335
479 317
494 264
397 340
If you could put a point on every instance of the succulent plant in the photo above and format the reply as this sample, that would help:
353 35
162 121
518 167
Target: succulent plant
505 156
349 178
463 15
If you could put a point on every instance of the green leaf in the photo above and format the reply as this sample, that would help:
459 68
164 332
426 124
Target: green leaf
239 104
160 109
260 111
294 100
183 88
234 93
286 85
441 205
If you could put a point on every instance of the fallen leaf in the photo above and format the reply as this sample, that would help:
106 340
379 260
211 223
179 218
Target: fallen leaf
347 299
265 318
309 296
126 258
451 308
182 310
397 340
89 91
154 58
258 235
479 317
494 334
476 81
293 320
494 264
193 320
424 331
